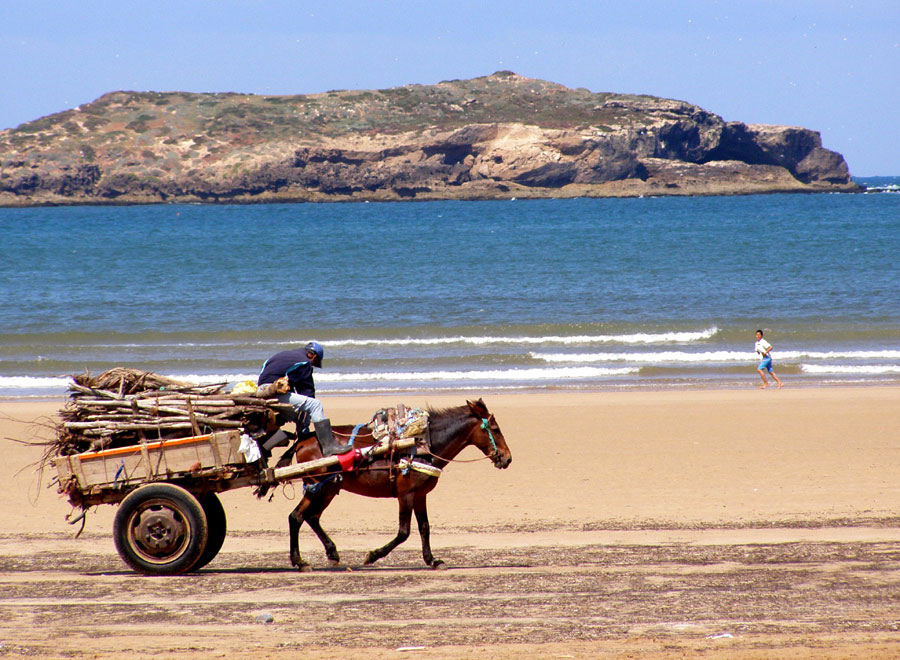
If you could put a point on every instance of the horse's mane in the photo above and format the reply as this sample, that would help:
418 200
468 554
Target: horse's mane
447 420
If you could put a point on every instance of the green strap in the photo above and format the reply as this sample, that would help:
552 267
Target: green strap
487 427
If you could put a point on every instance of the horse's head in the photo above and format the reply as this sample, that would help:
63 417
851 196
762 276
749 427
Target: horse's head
488 437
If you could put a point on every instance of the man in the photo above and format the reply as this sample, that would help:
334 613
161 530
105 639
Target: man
297 365
764 349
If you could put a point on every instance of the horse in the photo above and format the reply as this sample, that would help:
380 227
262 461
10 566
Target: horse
449 431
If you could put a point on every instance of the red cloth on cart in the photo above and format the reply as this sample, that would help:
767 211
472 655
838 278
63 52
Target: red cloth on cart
349 459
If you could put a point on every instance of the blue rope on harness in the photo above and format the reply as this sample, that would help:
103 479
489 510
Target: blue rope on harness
353 435
312 489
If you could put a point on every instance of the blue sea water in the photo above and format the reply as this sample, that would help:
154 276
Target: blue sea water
482 296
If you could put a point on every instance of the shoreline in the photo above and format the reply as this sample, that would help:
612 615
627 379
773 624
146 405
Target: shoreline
628 189
636 388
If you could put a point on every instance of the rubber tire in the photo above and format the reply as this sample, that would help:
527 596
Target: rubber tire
189 532
218 526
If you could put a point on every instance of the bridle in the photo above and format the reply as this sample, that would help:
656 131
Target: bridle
486 425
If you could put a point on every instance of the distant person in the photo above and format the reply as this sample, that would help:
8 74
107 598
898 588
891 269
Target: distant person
764 349
297 365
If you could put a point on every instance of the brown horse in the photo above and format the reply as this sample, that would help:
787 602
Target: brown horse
450 431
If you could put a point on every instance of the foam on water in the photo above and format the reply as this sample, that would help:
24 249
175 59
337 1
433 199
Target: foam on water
871 369
635 338
15 383
565 373
710 356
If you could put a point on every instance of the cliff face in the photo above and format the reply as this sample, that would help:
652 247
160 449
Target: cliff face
497 136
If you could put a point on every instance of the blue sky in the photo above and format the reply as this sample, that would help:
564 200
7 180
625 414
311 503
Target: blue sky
830 66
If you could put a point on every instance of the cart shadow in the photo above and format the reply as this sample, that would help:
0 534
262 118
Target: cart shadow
317 570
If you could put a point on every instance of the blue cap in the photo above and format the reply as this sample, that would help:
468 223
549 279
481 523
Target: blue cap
316 348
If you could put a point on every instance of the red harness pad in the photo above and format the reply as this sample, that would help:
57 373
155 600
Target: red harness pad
349 459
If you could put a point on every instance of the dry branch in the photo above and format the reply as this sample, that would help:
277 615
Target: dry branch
125 406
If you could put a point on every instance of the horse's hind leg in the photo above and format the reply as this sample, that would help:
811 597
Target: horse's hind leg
295 519
425 533
402 535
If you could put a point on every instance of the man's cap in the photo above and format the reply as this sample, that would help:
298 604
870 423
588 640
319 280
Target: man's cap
316 347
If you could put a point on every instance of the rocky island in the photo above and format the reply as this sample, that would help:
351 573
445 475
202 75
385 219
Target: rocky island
492 137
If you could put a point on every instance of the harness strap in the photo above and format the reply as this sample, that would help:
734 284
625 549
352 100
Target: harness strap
313 489
487 427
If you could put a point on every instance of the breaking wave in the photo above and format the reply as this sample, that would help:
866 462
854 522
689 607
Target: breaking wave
871 369
634 338
710 356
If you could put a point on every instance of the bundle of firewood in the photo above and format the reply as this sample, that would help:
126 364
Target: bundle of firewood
127 406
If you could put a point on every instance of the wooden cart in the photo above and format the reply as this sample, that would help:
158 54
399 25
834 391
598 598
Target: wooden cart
170 519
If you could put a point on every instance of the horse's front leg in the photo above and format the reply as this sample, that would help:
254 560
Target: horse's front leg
402 534
425 533
310 509
314 512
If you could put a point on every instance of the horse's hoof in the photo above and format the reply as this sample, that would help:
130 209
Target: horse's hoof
305 568
370 559
439 565
334 562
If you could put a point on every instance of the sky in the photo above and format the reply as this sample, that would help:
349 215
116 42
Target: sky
830 66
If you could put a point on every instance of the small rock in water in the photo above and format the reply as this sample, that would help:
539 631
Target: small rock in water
265 618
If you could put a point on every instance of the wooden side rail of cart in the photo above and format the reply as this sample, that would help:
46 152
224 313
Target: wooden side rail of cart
107 476
170 519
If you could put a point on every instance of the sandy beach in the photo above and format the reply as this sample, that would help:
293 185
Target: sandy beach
721 523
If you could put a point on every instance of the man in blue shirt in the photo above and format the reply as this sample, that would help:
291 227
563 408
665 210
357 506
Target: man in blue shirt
297 365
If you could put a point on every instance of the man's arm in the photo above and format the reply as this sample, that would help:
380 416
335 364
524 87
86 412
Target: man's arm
300 376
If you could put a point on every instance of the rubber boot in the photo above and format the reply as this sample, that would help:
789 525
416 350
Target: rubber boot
327 443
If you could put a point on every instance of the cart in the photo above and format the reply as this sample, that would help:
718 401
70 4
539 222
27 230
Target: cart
170 519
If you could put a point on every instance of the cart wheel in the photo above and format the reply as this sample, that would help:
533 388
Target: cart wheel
160 529
215 520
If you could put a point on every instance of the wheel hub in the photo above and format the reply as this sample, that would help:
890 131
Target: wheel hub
159 531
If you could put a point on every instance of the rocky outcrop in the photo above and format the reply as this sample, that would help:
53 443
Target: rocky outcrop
496 136
798 150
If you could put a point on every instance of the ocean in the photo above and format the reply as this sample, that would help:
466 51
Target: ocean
581 294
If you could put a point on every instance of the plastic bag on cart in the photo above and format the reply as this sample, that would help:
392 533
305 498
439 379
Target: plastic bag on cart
249 449
245 387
